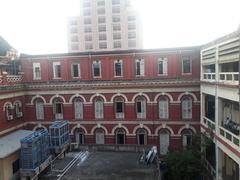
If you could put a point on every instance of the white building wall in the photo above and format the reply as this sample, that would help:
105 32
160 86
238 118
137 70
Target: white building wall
125 11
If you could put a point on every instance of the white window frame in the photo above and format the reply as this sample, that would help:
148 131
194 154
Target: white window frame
142 114
163 106
99 108
54 70
78 114
141 66
115 62
164 66
8 111
35 76
58 115
100 69
186 58
79 71
39 112
119 115
18 109
187 108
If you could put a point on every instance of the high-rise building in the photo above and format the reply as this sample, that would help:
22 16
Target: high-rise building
220 105
105 25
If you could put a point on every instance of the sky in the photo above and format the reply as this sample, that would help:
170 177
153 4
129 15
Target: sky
40 26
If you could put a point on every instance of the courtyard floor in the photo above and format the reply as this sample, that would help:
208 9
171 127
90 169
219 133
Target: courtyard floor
101 166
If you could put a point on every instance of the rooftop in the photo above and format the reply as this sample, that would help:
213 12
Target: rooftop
11 142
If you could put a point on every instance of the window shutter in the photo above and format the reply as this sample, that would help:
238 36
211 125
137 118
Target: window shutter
184 109
78 106
184 140
101 109
96 109
39 110
189 109
143 104
163 109
142 67
165 67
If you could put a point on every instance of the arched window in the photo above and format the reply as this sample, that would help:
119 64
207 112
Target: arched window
99 108
141 107
79 136
164 137
100 136
18 109
39 109
187 108
187 137
120 136
119 108
142 136
8 111
78 108
58 108
163 108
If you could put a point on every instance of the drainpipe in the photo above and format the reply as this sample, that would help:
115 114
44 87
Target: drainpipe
239 68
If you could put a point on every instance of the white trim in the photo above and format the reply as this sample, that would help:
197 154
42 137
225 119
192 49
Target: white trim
118 61
75 96
79 70
97 95
163 94
140 94
100 127
57 96
19 102
7 103
119 126
187 94
38 96
78 126
141 126
39 126
163 126
187 126
121 95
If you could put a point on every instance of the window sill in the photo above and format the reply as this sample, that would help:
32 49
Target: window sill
57 78
97 77
187 74
37 79
79 77
162 75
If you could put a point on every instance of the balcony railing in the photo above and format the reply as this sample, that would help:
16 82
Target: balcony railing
209 76
58 116
14 78
209 123
119 115
229 77
229 136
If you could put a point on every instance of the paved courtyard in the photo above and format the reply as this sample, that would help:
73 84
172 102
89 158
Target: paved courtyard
103 166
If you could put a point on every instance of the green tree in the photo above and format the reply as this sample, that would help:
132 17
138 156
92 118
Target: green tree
187 164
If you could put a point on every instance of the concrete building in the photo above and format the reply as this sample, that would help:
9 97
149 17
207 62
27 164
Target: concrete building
220 99
104 25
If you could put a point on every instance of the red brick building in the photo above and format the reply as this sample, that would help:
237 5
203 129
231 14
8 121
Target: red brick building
115 97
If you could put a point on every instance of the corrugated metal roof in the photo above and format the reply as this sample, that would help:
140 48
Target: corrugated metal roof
11 142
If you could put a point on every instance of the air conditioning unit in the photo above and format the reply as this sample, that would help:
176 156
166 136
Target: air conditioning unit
10 117
20 114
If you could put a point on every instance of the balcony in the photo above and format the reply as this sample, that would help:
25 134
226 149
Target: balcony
229 77
229 136
6 79
209 76
231 126
209 123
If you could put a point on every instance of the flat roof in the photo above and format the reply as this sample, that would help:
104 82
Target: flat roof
114 52
11 142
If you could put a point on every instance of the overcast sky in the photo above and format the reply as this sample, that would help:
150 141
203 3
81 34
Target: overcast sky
39 26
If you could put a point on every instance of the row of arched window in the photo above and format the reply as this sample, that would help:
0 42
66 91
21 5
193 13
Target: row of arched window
141 137
119 107
13 110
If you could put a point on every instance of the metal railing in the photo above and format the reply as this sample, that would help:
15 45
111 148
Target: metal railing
14 78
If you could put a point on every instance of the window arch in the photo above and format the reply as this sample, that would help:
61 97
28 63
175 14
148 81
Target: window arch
186 137
99 108
78 108
164 137
8 111
99 133
119 107
141 107
58 108
142 136
120 136
79 136
163 107
186 107
39 105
